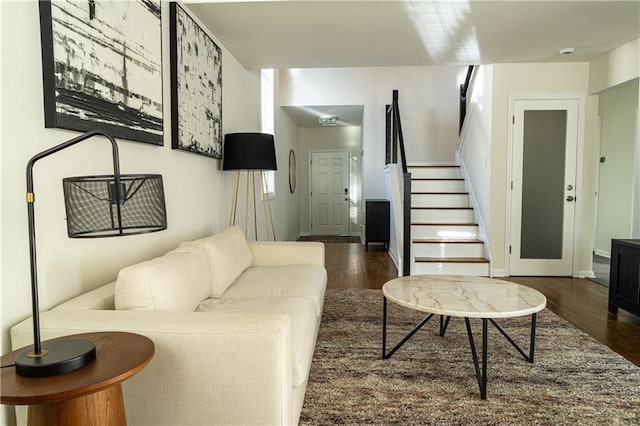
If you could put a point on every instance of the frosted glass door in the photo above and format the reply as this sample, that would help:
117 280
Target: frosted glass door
543 171
543 187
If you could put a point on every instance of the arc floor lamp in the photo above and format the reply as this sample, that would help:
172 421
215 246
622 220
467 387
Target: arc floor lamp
250 152
96 206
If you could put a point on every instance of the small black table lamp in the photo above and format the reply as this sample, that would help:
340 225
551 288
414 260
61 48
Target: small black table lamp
96 206
250 152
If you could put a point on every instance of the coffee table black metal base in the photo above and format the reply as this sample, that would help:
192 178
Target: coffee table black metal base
480 369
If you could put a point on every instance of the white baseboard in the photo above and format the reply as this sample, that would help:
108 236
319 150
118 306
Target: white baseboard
499 273
603 253
586 274
396 261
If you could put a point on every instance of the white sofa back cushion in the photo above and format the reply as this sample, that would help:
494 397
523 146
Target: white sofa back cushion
229 256
177 281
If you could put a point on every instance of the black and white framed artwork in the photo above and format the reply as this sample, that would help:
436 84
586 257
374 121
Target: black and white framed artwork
196 87
102 67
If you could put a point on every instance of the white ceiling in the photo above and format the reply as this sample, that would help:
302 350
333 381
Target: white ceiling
364 33
342 33
347 115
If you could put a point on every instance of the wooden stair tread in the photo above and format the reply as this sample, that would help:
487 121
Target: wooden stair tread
440 193
436 178
460 241
443 224
431 165
440 208
451 260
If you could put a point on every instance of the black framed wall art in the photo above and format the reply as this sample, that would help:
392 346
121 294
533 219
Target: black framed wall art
196 87
102 67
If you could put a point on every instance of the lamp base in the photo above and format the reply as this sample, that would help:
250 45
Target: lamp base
62 356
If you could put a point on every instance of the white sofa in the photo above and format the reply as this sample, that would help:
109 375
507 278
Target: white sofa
234 325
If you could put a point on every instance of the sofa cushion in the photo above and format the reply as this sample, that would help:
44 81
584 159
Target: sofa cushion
275 281
304 324
229 256
177 281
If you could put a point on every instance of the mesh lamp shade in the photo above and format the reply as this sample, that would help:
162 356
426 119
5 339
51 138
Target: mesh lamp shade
249 151
92 210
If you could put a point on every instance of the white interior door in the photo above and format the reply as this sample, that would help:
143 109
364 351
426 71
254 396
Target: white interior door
329 193
545 137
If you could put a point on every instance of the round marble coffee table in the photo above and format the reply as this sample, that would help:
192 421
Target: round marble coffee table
466 297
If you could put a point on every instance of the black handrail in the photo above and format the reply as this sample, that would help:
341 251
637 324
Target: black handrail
395 143
463 97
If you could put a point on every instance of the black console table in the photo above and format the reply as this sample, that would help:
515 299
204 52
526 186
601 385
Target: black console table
377 222
624 285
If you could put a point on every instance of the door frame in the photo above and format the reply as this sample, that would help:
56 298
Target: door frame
579 182
310 180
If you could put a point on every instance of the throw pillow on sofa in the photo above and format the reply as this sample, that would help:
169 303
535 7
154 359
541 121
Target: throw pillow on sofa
229 255
177 281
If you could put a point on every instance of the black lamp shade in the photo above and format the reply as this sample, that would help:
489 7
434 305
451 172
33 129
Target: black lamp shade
92 210
249 151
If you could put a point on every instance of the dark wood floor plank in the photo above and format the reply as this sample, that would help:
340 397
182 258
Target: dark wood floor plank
580 301
584 304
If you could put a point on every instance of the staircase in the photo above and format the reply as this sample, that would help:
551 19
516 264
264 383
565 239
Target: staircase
443 229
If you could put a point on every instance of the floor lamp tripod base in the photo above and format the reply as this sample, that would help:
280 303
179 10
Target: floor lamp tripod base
250 201
57 357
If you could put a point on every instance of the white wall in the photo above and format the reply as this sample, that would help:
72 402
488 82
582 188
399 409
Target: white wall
196 190
539 79
474 151
428 98
618 113
330 138
615 67
287 204
609 70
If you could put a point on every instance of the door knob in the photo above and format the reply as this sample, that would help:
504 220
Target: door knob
569 187
571 198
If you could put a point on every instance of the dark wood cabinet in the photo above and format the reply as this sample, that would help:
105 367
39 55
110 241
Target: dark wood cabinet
377 222
624 285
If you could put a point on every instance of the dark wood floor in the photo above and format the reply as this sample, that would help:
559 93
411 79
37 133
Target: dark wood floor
580 301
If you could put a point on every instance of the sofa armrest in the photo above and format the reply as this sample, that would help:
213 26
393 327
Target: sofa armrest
100 298
222 368
275 253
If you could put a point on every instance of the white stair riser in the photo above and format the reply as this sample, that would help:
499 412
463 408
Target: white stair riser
443 180
447 250
439 200
443 232
434 172
437 186
442 215
443 268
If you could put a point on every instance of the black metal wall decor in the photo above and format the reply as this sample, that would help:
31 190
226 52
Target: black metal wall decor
196 87
102 67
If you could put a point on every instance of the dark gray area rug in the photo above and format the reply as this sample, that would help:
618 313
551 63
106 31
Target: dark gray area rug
574 381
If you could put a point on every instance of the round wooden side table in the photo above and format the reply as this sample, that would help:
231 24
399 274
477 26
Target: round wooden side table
89 396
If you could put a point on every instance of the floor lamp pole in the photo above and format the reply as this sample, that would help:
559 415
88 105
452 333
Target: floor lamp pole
234 203
255 210
266 226
246 207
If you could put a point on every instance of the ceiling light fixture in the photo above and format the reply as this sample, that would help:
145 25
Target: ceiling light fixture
567 51
328 121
